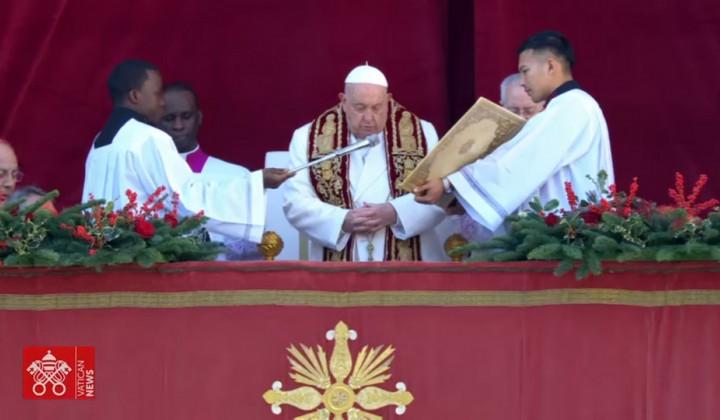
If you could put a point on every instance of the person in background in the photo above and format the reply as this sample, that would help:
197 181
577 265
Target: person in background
514 98
10 173
181 119
31 194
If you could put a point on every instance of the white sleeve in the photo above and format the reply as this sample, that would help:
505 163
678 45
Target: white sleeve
494 187
415 218
235 206
319 221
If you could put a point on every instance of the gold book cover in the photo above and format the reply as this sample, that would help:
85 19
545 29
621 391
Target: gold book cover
484 127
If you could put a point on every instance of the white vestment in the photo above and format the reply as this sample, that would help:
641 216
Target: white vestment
238 248
322 222
142 158
566 142
219 168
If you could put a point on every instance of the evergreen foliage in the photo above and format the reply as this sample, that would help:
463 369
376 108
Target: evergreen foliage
94 234
610 225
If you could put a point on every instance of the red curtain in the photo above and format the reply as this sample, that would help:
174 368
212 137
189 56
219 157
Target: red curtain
264 67
261 69
653 66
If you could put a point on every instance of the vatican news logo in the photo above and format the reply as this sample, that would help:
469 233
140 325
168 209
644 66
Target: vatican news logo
66 372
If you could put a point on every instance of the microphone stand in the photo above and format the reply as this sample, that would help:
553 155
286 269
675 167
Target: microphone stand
366 142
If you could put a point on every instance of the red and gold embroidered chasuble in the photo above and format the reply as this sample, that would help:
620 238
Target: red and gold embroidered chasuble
405 146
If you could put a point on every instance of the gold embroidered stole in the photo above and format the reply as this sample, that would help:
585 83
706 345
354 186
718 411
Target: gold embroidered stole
405 146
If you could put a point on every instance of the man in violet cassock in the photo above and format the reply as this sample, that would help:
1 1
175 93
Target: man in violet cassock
351 207
130 153
181 119
568 141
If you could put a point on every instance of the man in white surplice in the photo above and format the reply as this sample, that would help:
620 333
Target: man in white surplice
181 119
129 153
351 207
566 142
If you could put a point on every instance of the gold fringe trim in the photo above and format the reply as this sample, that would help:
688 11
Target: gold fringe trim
15 302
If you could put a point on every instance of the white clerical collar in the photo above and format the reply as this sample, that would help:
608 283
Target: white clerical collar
185 155
381 136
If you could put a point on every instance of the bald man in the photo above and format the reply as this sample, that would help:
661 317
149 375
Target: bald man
10 173
514 98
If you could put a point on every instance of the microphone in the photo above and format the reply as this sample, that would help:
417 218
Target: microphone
370 141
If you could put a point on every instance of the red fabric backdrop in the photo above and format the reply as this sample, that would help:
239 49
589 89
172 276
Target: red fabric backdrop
265 67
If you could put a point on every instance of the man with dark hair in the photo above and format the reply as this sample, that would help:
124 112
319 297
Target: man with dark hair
130 153
566 142
181 119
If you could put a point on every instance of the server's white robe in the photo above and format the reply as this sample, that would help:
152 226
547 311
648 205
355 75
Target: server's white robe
142 158
568 141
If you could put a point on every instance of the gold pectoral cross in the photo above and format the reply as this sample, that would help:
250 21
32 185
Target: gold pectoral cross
370 248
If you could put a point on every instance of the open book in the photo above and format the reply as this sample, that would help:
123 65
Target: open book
484 127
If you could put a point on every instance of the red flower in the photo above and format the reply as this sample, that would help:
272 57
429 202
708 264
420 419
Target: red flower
631 196
81 232
171 219
552 219
29 216
91 252
591 217
144 228
571 197
689 203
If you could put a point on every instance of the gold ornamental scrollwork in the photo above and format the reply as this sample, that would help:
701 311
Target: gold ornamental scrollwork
335 390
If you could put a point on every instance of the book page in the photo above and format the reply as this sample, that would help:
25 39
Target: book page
483 128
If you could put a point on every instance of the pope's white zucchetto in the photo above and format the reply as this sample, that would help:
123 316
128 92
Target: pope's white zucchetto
366 74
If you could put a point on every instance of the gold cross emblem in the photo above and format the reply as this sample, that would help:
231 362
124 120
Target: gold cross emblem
337 396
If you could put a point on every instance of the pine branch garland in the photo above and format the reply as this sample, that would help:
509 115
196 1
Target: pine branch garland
94 234
608 225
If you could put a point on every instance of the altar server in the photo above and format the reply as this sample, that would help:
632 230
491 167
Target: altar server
568 141
130 153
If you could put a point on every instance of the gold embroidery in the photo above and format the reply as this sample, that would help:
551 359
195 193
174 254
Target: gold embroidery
350 383
405 146
408 142
325 140
326 168
405 253
461 298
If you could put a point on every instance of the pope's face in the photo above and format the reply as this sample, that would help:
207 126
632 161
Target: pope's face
518 102
150 98
366 108
181 119
533 68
